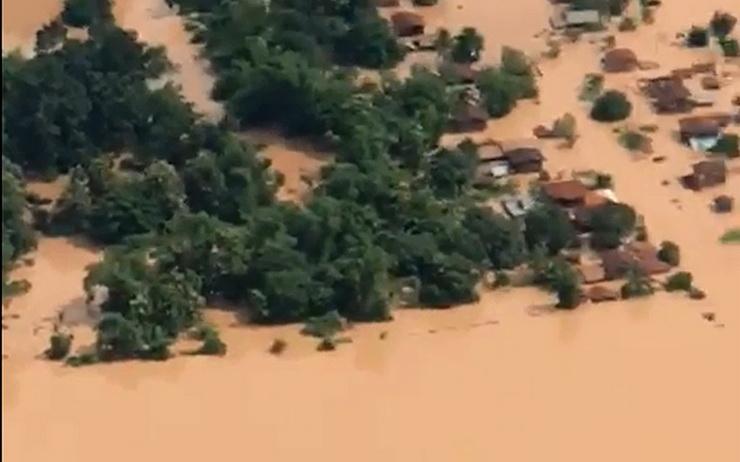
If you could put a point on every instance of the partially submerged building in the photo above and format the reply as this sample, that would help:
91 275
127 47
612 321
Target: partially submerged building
468 117
568 193
667 94
619 60
700 131
564 18
706 174
517 206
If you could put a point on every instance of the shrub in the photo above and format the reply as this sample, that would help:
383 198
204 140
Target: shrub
697 37
326 325
327 344
565 127
731 236
637 285
59 345
670 253
722 24
212 344
611 107
728 144
592 86
84 359
680 281
501 279
634 141
730 47
278 346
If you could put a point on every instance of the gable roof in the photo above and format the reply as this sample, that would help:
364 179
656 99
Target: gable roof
568 190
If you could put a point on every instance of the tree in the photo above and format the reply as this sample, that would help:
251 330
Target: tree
697 37
502 238
637 285
610 223
83 13
17 234
670 253
549 226
498 90
467 46
611 107
722 24
679 281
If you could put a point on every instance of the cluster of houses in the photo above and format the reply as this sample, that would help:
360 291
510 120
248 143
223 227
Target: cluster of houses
499 159
595 268
606 265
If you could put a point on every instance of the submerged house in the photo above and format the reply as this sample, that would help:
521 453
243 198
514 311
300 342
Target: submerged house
524 160
705 174
668 95
700 132
619 60
468 117
407 24
568 193
640 256
518 206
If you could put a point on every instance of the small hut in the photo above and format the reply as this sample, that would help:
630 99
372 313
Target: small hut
407 24
524 160
699 127
619 60
706 173
568 193
668 95
468 118
723 204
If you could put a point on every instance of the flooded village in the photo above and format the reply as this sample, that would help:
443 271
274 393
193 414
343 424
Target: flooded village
509 376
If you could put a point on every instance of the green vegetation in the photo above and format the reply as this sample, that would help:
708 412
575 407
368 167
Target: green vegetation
467 46
679 281
592 86
697 37
730 47
731 236
558 276
610 223
728 145
17 234
503 86
611 106
59 345
425 2
637 285
212 344
633 140
192 215
670 253
722 24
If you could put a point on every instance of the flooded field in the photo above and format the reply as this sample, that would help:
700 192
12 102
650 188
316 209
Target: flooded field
505 379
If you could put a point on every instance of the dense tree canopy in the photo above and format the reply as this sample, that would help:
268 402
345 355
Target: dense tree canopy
189 210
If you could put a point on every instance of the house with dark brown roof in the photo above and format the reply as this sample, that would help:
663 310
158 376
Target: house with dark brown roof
387 3
468 118
618 262
524 160
619 60
706 173
668 95
568 193
407 24
699 127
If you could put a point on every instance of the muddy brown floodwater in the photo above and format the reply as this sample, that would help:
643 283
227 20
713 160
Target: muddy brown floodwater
646 380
